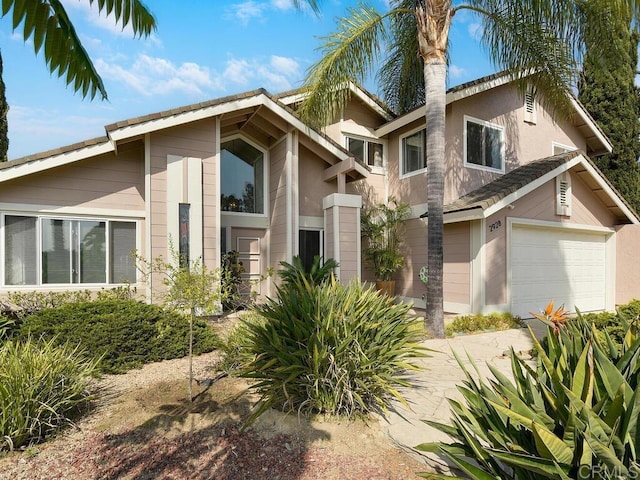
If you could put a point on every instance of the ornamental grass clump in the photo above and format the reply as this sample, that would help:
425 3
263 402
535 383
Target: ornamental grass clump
43 387
331 348
571 415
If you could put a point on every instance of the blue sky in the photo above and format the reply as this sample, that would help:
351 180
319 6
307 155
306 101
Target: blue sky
202 49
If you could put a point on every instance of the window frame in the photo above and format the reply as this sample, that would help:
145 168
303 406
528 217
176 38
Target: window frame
321 232
367 141
410 133
40 217
566 148
265 179
469 119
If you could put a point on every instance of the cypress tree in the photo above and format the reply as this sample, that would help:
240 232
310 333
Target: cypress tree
4 124
609 93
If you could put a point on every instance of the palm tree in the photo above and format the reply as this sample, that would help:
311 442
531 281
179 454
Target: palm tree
540 42
47 24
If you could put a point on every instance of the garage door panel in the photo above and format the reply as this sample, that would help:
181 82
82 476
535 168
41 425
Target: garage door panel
565 266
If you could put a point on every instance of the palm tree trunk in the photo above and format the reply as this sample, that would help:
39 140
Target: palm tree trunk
435 74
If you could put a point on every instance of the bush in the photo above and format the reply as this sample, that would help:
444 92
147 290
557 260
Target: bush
234 346
479 323
8 326
615 324
574 415
331 349
127 334
43 386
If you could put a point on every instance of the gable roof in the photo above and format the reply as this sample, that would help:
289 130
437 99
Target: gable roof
138 126
496 195
597 141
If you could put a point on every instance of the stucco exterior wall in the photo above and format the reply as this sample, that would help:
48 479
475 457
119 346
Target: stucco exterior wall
627 264
539 204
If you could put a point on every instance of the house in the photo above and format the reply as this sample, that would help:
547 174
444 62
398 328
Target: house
528 216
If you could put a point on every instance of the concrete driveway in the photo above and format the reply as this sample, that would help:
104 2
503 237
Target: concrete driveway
438 380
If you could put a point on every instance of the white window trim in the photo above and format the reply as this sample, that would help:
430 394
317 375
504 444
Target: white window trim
568 148
484 123
374 169
68 286
401 174
265 192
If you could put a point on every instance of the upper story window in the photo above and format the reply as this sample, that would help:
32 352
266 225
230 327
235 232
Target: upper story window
413 153
483 144
242 177
558 148
367 151
71 251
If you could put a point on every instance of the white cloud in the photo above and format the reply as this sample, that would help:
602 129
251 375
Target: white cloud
246 11
159 76
282 4
91 14
52 128
475 30
455 71
277 75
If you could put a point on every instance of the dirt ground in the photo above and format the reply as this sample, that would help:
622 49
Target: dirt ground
145 428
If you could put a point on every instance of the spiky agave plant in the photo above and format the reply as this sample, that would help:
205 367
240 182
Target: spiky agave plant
573 415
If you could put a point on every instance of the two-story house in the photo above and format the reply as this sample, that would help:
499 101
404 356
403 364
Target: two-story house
528 216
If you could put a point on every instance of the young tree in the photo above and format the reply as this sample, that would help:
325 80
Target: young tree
610 95
538 42
47 25
188 287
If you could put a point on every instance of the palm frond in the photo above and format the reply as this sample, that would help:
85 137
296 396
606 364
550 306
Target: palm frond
348 55
401 77
46 22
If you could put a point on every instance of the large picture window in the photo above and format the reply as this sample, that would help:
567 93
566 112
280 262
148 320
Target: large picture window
413 153
71 251
484 144
242 182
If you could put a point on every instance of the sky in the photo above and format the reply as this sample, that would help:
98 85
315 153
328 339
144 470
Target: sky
201 50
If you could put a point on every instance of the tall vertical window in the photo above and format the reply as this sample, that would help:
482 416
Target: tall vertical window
243 176
122 244
484 144
20 247
414 153
73 251
70 251
366 151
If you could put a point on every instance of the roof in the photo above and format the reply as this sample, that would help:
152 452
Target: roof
499 193
136 127
597 141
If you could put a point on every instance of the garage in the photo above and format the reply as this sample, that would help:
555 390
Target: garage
564 265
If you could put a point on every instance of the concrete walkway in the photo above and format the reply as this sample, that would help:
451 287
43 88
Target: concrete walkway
438 380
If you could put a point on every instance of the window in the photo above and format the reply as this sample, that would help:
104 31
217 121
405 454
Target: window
414 149
558 148
484 144
366 151
310 245
242 177
70 251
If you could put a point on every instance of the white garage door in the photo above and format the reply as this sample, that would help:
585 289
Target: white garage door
565 266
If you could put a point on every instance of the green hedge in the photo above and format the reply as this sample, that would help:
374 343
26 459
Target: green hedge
127 334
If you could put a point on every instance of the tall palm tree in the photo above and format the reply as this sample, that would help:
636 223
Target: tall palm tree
541 40
46 23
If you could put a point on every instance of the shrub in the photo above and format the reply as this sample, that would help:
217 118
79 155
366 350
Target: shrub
615 324
43 386
234 347
574 415
332 349
479 323
127 334
8 326
295 273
